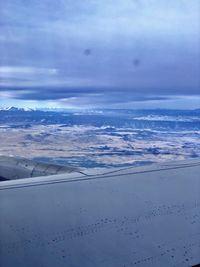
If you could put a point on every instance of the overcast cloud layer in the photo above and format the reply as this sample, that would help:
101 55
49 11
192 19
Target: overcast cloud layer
99 50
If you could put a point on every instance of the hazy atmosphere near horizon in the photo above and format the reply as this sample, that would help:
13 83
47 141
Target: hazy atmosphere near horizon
96 54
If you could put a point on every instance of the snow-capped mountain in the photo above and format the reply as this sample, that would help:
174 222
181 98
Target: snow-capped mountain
16 109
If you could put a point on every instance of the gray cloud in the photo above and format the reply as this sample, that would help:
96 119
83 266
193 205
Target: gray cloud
63 49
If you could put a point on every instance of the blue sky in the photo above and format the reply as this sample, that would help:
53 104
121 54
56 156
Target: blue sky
122 53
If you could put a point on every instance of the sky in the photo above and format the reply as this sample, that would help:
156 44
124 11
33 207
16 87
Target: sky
100 53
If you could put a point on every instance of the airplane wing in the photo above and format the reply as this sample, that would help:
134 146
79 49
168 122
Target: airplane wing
141 216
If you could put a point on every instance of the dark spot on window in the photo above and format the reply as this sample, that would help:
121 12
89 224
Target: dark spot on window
87 51
136 62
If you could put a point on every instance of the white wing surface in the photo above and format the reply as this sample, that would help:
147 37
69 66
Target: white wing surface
144 216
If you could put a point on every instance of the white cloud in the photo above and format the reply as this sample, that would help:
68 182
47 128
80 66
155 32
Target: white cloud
14 70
